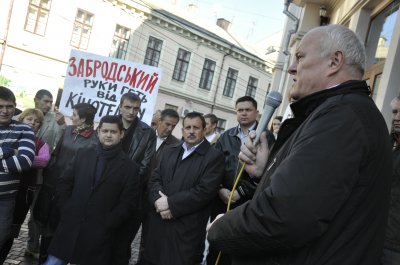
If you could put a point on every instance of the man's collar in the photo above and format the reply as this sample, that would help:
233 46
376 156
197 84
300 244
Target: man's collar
184 145
303 107
251 128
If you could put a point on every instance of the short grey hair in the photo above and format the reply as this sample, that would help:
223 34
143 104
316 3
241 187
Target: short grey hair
396 99
338 37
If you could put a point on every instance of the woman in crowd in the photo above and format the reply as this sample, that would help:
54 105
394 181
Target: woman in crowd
28 183
276 125
79 135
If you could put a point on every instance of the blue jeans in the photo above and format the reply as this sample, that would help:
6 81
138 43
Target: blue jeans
390 257
6 218
51 260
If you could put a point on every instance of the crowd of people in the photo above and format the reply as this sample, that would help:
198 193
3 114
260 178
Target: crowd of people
315 190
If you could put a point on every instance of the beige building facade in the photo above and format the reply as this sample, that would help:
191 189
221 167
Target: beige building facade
205 67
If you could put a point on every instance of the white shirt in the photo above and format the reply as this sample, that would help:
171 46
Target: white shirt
211 137
242 135
187 152
160 141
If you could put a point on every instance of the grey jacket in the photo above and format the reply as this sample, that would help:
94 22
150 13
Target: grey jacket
50 132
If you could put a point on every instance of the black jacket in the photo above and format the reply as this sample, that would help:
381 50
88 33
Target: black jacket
229 143
91 214
392 240
323 197
190 185
142 147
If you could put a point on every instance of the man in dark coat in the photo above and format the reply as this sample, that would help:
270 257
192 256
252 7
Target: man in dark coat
166 123
324 190
181 190
96 194
391 251
139 143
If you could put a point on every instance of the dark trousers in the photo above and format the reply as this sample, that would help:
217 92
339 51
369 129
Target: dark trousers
390 257
44 245
22 203
121 252
218 208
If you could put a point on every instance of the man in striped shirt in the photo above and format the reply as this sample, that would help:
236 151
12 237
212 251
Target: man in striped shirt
17 150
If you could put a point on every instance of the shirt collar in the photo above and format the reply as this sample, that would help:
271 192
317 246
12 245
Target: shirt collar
184 146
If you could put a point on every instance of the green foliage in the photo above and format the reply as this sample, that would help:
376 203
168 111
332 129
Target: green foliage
4 81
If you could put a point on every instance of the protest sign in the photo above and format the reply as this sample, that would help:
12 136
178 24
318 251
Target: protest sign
101 81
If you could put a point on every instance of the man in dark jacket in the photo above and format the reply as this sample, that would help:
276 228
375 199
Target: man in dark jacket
324 192
97 193
391 251
181 190
166 123
139 143
229 143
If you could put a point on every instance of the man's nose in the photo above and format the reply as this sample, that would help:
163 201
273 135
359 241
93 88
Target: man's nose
292 68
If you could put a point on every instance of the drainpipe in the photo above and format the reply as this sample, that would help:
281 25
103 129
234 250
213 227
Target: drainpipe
294 28
219 78
286 44
3 47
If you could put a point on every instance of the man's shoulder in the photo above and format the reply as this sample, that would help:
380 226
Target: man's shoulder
171 140
16 126
228 136
144 125
230 132
146 129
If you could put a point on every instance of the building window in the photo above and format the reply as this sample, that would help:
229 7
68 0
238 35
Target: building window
38 14
221 124
207 74
381 33
82 29
181 65
153 52
252 87
230 82
120 42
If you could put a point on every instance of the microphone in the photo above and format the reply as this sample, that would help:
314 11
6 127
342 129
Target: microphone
274 99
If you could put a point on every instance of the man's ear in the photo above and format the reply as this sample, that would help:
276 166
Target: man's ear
122 134
336 62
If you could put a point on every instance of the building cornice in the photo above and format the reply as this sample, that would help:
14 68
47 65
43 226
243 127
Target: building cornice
213 42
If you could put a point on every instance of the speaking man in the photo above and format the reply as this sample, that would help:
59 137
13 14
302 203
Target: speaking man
324 190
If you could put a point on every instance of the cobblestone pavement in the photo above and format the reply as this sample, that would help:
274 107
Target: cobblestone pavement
16 255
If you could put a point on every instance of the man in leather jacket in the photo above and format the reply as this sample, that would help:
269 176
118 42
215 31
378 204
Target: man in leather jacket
229 143
139 143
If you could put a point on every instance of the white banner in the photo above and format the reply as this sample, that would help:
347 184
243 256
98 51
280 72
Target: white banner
101 81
